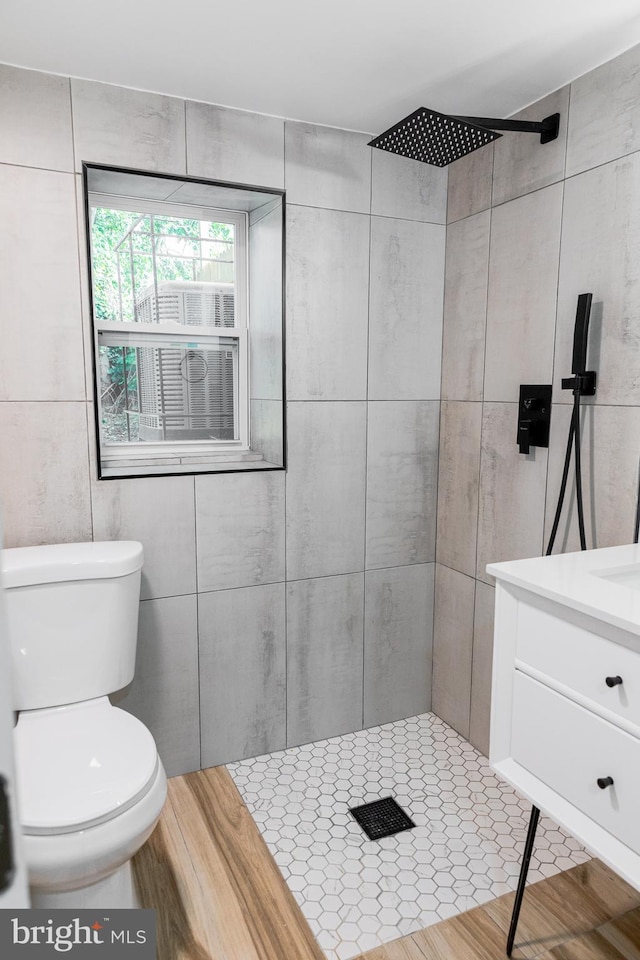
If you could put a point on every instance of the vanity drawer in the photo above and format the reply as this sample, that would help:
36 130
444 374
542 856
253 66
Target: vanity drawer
580 660
569 748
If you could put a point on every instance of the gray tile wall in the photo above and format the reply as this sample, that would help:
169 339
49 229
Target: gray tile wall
261 622
530 227
398 604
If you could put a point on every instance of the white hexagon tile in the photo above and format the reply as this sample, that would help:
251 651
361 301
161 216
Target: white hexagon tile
357 893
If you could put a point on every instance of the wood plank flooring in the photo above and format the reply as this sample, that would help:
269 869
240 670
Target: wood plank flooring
586 913
217 890
220 896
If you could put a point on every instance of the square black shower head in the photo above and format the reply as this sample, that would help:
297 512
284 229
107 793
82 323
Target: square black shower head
433 137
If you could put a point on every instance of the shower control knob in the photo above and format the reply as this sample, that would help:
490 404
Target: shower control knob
604 782
613 681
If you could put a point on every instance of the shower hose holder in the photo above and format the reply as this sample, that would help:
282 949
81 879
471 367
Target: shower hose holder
582 383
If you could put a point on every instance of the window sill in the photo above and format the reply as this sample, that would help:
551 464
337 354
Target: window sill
173 466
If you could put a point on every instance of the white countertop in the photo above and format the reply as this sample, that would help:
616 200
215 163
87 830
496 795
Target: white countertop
603 583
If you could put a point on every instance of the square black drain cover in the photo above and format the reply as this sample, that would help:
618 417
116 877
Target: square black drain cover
382 818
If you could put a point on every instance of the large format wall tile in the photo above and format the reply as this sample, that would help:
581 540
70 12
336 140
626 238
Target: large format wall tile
234 145
512 492
469 188
44 473
398 638
465 307
402 188
405 312
164 692
521 163
128 128
85 287
523 280
458 479
242 673
402 469
325 167
267 431
266 304
327 304
129 510
481 670
40 322
609 459
324 657
452 647
605 113
240 529
599 255
35 119
325 488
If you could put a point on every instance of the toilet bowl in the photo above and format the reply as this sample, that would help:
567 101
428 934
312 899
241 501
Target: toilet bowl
89 782
91 787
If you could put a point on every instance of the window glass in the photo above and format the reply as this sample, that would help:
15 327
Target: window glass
156 394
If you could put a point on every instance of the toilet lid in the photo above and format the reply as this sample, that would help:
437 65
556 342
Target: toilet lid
80 765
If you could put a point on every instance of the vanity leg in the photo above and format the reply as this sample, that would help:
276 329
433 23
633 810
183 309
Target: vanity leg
524 869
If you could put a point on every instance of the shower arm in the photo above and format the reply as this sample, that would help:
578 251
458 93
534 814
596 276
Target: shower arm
547 128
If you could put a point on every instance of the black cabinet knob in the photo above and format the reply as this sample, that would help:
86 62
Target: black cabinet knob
604 782
612 681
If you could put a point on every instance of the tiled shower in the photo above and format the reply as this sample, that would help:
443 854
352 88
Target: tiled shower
357 893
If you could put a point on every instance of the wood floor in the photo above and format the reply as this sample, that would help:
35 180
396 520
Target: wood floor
217 890
220 896
586 913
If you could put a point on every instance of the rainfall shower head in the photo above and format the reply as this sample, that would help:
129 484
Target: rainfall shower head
440 139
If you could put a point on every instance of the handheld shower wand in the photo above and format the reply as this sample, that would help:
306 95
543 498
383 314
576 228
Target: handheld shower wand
580 335
583 384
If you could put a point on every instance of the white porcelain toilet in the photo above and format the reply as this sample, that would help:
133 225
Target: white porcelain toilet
90 783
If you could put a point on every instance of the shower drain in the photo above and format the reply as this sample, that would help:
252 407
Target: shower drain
381 818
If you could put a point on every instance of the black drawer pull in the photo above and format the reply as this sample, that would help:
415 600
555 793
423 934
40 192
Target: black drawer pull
604 782
613 681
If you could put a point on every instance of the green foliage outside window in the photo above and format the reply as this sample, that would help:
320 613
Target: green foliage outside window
177 255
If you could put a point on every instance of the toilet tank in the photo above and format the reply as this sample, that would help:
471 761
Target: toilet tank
73 619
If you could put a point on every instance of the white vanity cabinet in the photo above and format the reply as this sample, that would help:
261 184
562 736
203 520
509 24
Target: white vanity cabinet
565 722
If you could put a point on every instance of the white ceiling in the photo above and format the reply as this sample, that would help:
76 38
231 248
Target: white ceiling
357 64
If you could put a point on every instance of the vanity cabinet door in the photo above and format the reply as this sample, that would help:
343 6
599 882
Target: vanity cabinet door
570 749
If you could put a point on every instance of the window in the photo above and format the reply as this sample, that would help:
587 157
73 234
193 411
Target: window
187 308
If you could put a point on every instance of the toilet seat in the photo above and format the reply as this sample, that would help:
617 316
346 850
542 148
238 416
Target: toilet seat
80 765
71 861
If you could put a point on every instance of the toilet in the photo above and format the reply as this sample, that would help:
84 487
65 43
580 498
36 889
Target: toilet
89 781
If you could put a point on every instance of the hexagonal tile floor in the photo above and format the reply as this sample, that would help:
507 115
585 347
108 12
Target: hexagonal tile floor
357 893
